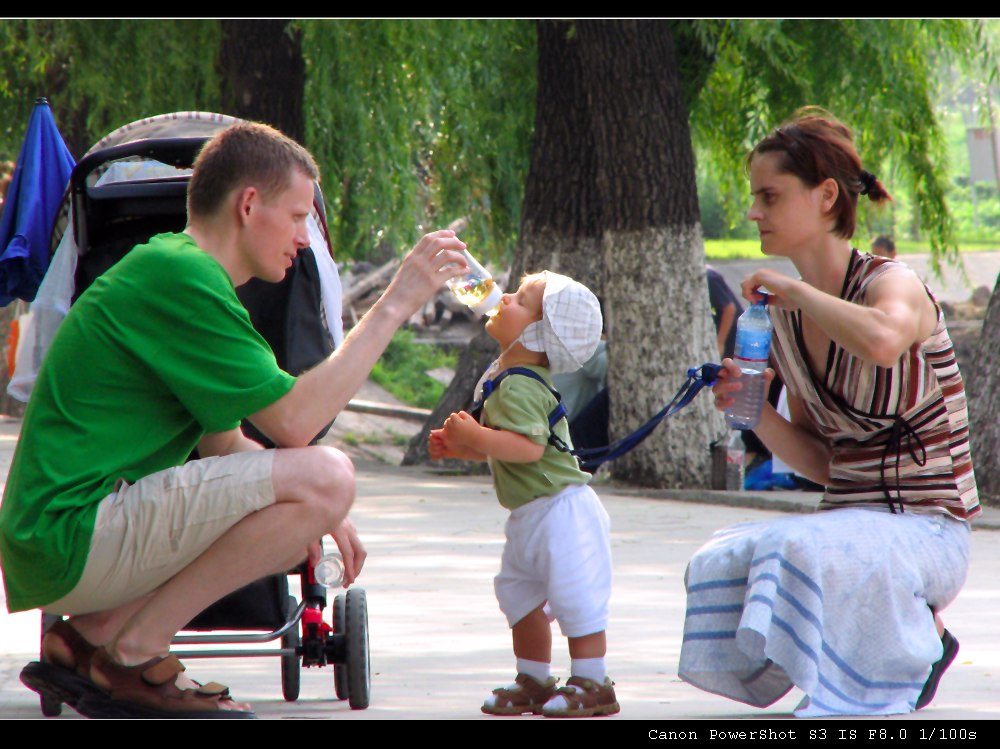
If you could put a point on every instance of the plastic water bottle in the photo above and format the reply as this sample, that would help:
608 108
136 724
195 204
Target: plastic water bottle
329 572
735 459
753 346
476 289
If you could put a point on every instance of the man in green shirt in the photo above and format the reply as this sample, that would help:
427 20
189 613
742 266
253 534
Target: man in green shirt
102 519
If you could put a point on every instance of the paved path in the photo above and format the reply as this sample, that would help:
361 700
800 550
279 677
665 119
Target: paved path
439 644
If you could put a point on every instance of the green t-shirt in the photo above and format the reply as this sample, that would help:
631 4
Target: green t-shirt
522 404
155 354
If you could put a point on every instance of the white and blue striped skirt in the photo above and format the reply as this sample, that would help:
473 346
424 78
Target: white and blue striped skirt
836 603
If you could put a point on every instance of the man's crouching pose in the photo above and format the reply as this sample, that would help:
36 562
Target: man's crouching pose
102 520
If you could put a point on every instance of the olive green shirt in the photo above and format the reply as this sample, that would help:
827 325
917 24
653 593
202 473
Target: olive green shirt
521 404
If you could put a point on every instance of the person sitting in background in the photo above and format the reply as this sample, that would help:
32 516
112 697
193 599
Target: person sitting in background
883 246
585 395
726 308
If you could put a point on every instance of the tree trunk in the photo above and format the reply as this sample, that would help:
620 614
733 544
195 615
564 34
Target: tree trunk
659 321
611 200
561 219
982 384
263 73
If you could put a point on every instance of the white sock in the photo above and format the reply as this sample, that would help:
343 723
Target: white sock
537 670
589 668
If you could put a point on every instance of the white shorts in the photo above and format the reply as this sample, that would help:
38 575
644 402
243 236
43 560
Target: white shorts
147 532
558 550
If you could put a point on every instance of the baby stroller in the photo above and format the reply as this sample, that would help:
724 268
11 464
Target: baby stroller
128 187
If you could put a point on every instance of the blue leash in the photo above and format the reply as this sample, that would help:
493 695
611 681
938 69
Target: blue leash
697 378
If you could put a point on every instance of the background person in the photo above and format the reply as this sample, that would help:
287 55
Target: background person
884 247
726 309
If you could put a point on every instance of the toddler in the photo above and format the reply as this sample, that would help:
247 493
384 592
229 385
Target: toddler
557 550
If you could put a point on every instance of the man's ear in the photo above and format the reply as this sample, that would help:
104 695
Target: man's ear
246 202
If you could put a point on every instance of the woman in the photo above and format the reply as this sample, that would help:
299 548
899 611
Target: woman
843 603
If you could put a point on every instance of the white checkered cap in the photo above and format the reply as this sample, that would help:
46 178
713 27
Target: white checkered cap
571 324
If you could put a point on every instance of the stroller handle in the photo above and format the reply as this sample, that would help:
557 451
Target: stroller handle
178 152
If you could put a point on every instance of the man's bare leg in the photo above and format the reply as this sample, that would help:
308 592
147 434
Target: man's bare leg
314 488
101 627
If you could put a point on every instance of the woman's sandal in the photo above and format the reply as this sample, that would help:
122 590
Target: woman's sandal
950 644
56 679
149 690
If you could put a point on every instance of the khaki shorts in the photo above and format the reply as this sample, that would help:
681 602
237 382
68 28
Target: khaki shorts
147 532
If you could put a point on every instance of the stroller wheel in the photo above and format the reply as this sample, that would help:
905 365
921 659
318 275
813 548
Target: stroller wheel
358 663
291 665
340 682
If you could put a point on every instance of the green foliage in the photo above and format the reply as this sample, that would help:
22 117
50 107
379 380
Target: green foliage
723 215
875 75
101 74
415 123
418 123
976 208
401 370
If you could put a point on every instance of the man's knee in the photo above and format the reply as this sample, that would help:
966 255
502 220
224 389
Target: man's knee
319 476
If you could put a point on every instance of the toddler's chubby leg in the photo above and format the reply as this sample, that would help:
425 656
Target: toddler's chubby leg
533 637
588 691
533 686
589 646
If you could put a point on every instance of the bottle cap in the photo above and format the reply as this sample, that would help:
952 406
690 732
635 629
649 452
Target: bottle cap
329 572
492 300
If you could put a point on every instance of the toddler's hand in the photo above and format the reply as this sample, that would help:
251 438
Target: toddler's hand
437 445
460 428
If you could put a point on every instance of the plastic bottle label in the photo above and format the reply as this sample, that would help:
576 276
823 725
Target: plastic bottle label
753 345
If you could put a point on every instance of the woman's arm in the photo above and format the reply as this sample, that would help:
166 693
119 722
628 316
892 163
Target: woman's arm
796 442
898 312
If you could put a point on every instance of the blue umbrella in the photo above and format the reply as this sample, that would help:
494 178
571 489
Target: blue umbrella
40 177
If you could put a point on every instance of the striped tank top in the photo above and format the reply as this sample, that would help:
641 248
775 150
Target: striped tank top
899 435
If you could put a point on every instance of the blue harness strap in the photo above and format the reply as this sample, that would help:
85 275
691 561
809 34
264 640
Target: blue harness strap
697 378
490 386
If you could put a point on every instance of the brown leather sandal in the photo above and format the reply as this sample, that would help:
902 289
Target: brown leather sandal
525 695
56 678
582 698
149 690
